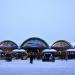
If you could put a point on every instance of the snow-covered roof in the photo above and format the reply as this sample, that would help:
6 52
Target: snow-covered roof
49 50
71 50
1 51
19 50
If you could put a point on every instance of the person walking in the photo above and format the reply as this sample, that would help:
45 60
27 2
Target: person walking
31 58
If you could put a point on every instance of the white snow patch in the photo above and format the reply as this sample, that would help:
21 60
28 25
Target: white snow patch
23 67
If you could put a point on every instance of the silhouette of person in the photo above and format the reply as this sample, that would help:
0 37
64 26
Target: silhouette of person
31 59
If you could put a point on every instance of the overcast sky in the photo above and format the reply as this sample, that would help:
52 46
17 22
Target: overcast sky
50 20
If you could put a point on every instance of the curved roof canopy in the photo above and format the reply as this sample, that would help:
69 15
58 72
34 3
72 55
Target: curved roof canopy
7 44
34 42
61 45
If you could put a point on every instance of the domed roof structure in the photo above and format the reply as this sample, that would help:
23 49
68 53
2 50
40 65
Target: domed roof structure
34 42
61 45
8 45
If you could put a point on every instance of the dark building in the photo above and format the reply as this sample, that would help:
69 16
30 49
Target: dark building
7 46
34 46
61 47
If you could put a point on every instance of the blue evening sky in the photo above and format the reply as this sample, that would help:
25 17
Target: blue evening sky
50 20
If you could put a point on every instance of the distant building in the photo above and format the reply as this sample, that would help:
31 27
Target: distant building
61 46
34 45
8 46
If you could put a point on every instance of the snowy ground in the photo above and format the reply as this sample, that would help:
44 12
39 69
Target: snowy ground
23 67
